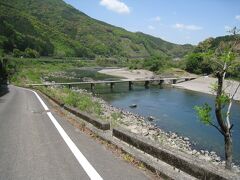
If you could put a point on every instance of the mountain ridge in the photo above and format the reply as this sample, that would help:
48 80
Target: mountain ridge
53 27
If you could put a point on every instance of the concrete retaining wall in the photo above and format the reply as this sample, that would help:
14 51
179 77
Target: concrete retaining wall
97 123
94 121
187 163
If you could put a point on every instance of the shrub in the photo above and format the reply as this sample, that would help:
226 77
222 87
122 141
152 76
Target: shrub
17 53
31 53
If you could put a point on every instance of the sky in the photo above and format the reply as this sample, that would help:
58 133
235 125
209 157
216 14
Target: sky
177 21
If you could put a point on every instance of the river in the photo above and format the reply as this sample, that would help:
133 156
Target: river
173 111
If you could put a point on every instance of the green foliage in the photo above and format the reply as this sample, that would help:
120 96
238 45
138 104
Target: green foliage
209 54
17 53
52 27
204 113
228 57
7 68
31 53
82 101
135 64
30 70
153 63
3 71
28 53
223 99
198 63
116 116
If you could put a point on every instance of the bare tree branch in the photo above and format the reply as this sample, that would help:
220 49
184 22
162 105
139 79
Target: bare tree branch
230 106
217 128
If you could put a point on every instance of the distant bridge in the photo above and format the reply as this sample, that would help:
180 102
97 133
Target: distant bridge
112 83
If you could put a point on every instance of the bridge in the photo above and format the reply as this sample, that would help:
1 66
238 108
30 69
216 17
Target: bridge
130 82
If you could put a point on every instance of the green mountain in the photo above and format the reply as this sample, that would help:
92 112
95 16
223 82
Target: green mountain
54 28
221 41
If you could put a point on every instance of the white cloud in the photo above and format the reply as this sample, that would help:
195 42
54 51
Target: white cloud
151 27
237 17
116 6
157 19
187 27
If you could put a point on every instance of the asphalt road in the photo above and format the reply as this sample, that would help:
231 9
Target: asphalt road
36 143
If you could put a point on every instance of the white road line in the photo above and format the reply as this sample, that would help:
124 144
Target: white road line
92 173
41 101
89 169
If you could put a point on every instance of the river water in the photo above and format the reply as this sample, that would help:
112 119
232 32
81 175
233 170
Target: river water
173 111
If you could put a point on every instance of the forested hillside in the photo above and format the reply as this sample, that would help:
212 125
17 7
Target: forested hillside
200 61
54 28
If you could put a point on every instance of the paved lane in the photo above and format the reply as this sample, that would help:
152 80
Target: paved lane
31 147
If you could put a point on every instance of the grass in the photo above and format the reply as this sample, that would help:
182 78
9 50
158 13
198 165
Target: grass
82 101
27 71
115 116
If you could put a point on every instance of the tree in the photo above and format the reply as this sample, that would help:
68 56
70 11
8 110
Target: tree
3 70
223 58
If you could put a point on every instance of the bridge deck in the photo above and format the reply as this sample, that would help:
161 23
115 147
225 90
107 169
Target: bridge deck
119 81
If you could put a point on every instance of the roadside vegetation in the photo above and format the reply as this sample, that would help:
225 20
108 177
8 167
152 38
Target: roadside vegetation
22 71
3 71
84 101
80 100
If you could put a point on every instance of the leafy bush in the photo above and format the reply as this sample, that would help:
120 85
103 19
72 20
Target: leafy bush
198 63
82 101
31 53
17 53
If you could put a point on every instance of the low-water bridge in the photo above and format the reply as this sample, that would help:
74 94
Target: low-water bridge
130 82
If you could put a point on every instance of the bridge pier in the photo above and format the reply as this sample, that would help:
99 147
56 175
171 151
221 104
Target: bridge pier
130 84
161 82
146 84
111 85
174 81
92 86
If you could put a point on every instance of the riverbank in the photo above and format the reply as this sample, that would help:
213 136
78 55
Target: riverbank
204 84
201 84
144 127
129 74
